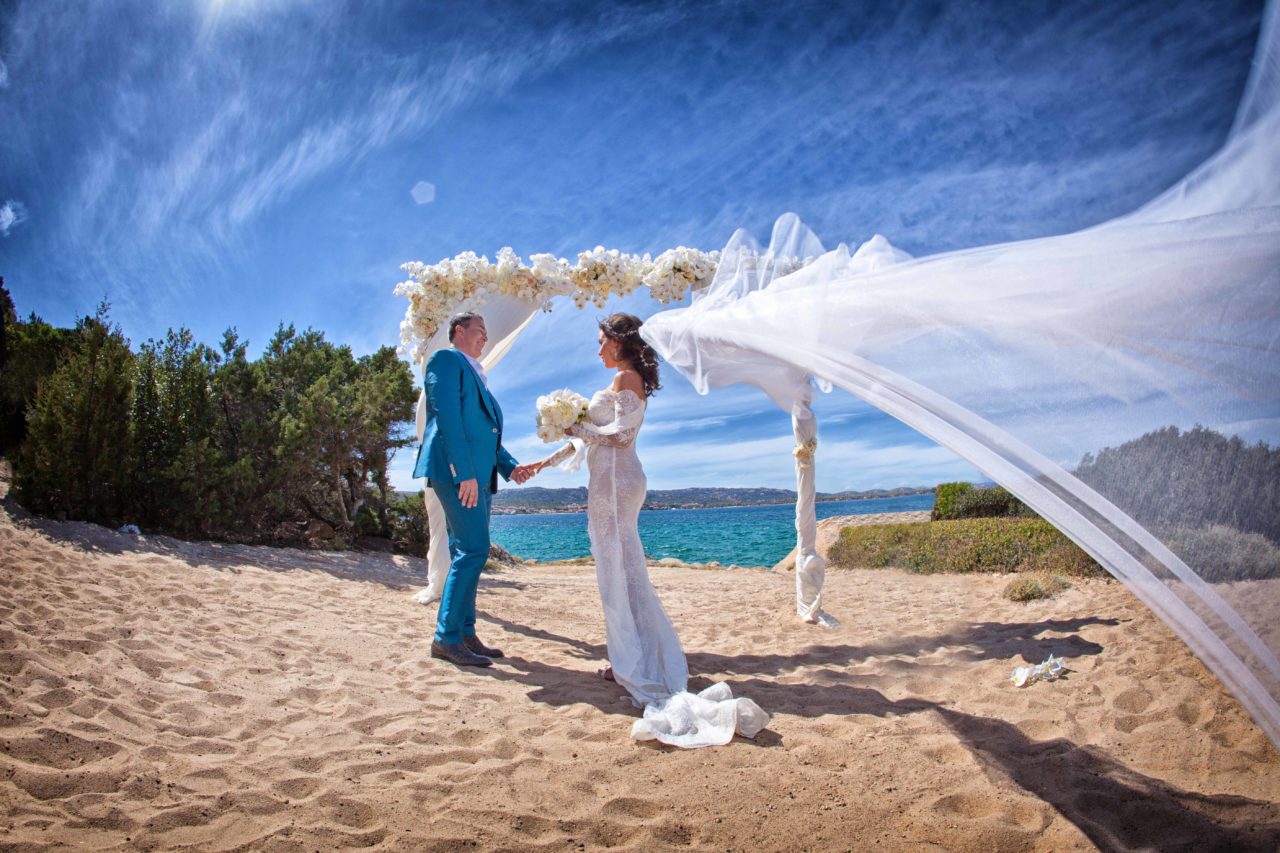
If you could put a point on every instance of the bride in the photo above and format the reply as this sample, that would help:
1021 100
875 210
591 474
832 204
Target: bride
645 655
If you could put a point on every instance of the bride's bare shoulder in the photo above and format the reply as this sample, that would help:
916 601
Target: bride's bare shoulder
628 380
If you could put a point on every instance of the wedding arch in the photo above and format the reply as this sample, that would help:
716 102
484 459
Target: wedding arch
1025 359
512 292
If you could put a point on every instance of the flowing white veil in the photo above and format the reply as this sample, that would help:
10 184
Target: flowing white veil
1058 367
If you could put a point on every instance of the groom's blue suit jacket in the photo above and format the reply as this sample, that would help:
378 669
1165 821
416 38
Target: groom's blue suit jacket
463 438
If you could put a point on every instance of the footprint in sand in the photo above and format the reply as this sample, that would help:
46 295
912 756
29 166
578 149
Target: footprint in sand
348 812
61 784
1135 700
225 700
63 750
87 707
632 807
59 697
298 787
1188 712
971 806
13 662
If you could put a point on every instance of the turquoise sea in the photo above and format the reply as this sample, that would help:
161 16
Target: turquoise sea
745 535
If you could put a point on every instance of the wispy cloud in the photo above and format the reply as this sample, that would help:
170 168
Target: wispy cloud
244 163
178 175
687 426
12 214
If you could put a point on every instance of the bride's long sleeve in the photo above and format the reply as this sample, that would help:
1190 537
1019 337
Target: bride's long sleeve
559 456
625 405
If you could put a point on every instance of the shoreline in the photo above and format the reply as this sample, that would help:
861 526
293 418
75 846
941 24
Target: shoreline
500 511
497 510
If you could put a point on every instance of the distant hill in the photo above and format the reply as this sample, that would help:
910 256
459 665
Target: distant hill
536 499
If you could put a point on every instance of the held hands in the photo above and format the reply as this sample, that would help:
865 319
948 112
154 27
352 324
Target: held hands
469 490
522 473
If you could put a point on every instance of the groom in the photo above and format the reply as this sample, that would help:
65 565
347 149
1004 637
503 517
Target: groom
461 456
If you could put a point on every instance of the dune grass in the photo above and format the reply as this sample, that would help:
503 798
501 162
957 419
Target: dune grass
1034 585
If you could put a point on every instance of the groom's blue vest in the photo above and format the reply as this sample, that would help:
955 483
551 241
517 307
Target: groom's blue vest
463 438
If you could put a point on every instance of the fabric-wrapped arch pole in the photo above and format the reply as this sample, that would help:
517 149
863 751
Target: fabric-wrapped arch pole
686 340
811 568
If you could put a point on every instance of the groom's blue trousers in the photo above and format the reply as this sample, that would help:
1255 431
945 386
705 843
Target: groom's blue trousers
468 551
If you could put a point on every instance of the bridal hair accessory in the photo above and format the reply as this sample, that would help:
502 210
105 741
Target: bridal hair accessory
1047 671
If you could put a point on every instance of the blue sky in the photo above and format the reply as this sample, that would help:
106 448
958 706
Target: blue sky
246 162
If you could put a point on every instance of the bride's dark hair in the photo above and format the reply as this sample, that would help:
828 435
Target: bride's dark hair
633 349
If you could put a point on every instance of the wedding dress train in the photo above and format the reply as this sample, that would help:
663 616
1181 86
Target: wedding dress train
644 651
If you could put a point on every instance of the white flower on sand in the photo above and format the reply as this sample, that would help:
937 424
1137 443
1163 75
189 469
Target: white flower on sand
558 411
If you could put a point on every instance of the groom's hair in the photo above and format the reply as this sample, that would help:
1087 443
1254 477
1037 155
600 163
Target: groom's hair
461 320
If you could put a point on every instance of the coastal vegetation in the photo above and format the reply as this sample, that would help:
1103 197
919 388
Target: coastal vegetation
1214 500
962 546
182 438
1196 478
964 500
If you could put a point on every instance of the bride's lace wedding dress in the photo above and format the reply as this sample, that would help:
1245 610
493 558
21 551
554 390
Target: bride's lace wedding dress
644 651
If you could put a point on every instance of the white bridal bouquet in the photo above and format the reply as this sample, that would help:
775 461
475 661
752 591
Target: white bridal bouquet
558 411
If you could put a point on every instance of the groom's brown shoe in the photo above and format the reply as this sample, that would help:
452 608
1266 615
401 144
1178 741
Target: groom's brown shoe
473 644
457 653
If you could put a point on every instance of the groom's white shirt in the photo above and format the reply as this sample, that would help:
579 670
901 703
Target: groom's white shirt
477 365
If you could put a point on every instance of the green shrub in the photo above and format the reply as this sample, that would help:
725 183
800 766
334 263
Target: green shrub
407 517
988 503
1034 585
1219 553
945 497
963 545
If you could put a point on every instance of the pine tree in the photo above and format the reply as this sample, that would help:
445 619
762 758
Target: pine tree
76 457
29 351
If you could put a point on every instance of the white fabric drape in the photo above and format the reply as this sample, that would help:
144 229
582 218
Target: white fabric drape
697 343
1024 357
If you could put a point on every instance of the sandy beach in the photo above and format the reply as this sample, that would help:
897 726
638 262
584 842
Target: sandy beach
158 694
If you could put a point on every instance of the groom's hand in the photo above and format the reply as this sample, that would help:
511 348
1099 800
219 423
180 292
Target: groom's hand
468 491
523 473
